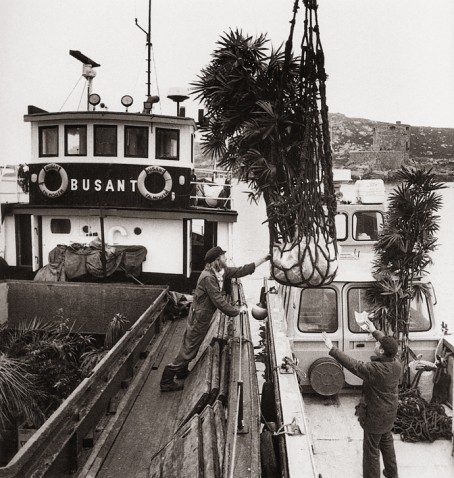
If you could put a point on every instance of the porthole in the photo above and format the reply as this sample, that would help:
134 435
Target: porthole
137 231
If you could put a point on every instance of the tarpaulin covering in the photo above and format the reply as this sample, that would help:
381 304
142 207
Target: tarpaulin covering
69 262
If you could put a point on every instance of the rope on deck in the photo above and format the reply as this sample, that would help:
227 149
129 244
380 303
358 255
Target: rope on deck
418 420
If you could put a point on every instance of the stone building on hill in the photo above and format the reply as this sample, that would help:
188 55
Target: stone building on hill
390 150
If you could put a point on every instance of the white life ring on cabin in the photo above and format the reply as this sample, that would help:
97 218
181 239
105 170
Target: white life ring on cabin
64 180
144 191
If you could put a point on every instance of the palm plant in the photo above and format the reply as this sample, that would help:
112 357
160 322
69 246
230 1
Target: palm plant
19 393
268 123
115 331
403 250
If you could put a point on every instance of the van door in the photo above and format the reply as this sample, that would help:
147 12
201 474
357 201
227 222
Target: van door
356 343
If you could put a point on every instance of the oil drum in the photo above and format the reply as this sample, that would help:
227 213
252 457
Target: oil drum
326 376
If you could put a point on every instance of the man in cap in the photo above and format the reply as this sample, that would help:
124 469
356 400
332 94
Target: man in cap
208 297
378 407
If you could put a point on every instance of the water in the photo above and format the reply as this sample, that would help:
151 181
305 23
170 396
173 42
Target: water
251 237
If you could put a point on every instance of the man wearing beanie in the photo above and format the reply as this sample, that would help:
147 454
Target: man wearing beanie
208 297
378 407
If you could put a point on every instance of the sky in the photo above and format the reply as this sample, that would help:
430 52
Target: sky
387 60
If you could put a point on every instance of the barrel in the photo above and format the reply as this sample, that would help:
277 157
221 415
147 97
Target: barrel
326 376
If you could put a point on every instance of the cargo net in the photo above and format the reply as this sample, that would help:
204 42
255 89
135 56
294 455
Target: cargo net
301 210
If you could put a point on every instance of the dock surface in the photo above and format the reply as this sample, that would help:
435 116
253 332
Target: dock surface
338 439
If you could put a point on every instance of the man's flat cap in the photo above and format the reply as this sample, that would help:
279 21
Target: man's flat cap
213 254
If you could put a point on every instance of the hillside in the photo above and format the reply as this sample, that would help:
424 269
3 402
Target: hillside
428 147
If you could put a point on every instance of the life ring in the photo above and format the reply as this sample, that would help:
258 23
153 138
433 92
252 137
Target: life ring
144 191
64 180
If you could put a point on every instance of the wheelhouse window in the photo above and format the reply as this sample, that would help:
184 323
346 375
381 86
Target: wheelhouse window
48 141
367 225
60 226
136 142
318 310
167 143
105 140
420 320
75 140
341 221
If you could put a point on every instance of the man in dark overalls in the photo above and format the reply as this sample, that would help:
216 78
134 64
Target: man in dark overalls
208 297
378 407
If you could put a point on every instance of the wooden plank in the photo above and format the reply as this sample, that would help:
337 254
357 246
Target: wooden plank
221 328
224 375
197 389
210 450
150 423
215 372
208 340
182 457
164 343
155 470
219 426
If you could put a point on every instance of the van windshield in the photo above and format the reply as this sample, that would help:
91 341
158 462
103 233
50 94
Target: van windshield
420 320
318 311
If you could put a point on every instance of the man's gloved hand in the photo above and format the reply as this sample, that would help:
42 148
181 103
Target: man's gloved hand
243 309
327 340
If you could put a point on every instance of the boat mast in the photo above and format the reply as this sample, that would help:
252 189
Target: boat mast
150 99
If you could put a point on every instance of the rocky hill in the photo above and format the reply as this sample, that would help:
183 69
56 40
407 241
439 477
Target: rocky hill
428 147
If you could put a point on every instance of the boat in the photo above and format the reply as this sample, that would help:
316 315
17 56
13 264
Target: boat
308 399
117 220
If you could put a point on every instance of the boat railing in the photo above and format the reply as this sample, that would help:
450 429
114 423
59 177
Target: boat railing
239 401
211 189
243 430
10 191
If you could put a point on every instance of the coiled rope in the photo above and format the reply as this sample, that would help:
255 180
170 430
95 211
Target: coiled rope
418 420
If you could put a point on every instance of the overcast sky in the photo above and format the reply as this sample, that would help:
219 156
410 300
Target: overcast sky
387 60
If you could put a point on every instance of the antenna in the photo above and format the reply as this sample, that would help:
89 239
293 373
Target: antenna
87 70
150 100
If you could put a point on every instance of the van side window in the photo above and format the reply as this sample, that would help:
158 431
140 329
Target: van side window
341 221
318 310
367 225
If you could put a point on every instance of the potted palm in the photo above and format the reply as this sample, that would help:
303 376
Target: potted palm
403 251
268 123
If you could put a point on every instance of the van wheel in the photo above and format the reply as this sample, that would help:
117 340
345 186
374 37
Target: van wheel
267 403
268 460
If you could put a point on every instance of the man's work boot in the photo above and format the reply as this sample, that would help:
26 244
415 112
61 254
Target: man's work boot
167 383
182 374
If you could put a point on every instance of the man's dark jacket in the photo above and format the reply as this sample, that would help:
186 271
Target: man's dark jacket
208 295
380 387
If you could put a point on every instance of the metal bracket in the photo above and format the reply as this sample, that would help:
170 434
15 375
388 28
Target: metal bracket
284 368
290 429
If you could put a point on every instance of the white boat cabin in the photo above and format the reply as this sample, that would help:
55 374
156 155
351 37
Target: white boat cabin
127 179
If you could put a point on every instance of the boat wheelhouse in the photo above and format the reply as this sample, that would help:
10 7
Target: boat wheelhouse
125 178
